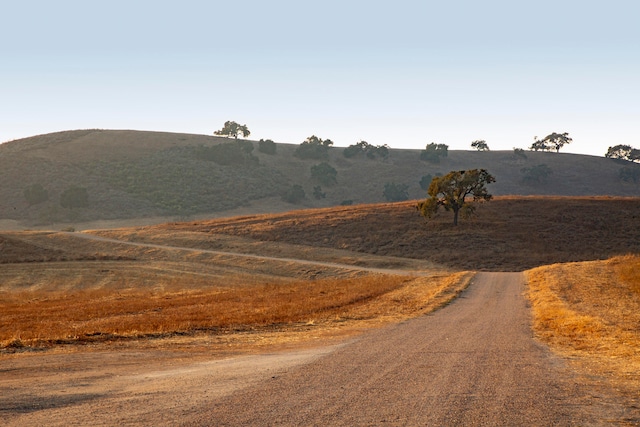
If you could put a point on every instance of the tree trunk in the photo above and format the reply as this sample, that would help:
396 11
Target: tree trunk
455 216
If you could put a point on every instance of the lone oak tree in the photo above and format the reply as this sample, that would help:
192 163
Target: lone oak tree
480 145
232 129
451 191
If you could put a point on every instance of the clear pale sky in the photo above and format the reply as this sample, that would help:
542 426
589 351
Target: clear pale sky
402 73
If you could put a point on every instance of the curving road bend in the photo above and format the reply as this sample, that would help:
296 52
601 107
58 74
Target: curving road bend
472 363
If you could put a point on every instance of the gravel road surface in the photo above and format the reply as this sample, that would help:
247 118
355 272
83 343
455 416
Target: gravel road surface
473 363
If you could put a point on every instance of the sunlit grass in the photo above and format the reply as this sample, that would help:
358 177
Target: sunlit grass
43 318
591 310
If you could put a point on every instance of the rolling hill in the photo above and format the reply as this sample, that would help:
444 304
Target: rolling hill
155 177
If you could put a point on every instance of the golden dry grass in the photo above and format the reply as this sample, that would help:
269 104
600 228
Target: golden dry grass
511 233
591 311
42 318
57 288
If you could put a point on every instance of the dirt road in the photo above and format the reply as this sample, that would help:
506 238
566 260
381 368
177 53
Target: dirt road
472 363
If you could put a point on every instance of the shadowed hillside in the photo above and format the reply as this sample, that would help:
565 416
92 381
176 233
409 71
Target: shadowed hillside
508 234
132 174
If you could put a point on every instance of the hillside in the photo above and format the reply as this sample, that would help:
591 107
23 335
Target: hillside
134 174
507 234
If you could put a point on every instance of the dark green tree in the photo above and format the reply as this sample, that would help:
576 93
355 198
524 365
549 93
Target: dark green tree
324 173
553 141
355 149
233 129
74 197
395 192
480 145
537 174
623 152
267 146
295 194
313 148
381 151
425 181
371 151
246 147
433 152
318 193
231 153
35 194
452 190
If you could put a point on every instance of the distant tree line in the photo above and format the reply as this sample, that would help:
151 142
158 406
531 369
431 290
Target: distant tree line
370 151
231 153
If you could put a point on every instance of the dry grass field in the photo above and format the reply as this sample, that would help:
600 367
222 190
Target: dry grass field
250 281
508 233
60 289
590 311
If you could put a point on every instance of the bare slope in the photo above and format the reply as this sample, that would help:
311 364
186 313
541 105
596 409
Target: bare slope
133 174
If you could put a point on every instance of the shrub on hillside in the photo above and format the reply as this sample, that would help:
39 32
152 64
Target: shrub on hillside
371 151
231 153
395 192
433 152
324 173
352 151
295 194
313 148
267 146
425 181
318 193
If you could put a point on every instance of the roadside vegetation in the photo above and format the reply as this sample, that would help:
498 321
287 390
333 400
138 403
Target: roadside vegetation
590 311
